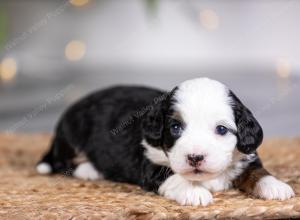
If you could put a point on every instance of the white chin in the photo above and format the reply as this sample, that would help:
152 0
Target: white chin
203 176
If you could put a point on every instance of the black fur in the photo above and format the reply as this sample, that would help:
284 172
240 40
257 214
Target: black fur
156 124
249 132
108 127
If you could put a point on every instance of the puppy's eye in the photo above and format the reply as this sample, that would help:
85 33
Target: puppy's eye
176 129
221 130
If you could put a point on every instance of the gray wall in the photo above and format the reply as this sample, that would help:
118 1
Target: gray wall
246 44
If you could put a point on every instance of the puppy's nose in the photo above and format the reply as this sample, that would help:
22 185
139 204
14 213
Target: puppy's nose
194 160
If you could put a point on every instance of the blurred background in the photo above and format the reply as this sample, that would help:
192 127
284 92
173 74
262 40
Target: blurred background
53 52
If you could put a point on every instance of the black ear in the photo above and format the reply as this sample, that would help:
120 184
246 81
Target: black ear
249 132
153 124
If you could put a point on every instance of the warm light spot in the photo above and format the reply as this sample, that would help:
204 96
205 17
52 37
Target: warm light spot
283 68
79 3
8 69
209 19
75 50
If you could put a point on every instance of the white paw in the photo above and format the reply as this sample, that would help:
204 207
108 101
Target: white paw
87 171
184 192
43 168
270 188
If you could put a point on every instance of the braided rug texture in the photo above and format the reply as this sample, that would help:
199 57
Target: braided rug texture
26 195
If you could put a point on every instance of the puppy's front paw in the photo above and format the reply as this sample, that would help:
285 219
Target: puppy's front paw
184 192
269 188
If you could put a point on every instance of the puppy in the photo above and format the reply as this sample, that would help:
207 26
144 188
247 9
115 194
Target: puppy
184 144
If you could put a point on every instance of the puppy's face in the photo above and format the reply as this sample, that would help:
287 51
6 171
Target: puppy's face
203 125
199 129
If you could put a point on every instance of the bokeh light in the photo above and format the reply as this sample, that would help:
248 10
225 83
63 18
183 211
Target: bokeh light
79 3
75 50
209 19
283 68
8 69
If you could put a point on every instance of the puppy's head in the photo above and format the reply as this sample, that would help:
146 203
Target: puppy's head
198 129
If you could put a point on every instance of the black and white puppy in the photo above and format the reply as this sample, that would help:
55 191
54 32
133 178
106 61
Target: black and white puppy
184 144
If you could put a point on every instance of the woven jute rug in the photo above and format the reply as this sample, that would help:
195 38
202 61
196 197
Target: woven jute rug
27 195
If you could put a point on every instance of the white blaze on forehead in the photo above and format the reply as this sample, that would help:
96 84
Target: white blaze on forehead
202 99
